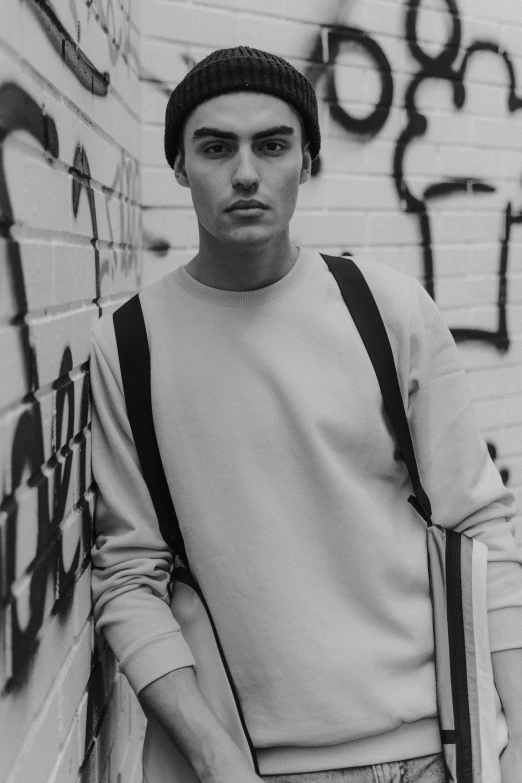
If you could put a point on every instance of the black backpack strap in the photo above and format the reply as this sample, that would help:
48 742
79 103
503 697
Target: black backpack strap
134 356
367 318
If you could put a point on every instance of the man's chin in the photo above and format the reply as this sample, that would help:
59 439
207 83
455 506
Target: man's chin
248 236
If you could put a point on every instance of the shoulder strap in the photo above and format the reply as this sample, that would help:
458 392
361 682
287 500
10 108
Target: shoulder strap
367 318
134 356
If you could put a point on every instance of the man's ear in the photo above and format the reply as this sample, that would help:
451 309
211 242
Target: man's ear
306 168
179 170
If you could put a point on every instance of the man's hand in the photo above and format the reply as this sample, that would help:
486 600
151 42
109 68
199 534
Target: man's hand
511 762
507 672
179 707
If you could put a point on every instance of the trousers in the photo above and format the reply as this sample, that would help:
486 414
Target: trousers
424 769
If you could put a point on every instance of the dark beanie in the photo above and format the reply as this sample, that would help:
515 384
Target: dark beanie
238 69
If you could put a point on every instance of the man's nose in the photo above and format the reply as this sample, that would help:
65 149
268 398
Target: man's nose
245 175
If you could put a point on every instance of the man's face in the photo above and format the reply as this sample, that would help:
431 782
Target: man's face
243 162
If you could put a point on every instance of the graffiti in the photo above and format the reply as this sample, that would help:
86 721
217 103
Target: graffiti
126 180
65 46
20 112
160 247
81 178
48 569
443 67
42 495
118 34
375 120
51 480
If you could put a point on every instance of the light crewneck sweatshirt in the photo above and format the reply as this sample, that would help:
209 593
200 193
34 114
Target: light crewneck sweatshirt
293 506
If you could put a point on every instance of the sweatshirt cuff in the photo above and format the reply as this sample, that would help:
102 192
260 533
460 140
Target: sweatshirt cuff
155 658
505 628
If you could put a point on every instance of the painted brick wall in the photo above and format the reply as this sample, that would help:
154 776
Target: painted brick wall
421 109
70 236
421 114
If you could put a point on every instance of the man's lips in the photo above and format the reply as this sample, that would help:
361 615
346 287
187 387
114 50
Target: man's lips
246 204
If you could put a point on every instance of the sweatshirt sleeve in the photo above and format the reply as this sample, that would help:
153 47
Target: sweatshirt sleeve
463 484
131 562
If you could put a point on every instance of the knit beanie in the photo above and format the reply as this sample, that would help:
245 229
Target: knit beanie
238 69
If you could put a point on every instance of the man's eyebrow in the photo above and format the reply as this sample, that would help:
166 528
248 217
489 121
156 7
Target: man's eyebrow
276 130
201 133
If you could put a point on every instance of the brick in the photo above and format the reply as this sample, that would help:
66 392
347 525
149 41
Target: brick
356 193
357 80
177 227
495 133
106 37
72 553
68 762
41 414
515 471
404 259
40 747
508 442
14 370
475 357
275 35
377 17
154 97
69 331
160 189
82 606
495 381
190 24
457 228
16 716
269 7
53 69
73 679
26 423
310 10
339 157
120 269
490 414
467 291
394 125
164 65
325 230
391 229
152 152
11 28
132 768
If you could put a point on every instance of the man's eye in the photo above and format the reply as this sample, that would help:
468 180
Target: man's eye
215 149
273 146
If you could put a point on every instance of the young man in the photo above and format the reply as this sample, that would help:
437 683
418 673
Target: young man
290 493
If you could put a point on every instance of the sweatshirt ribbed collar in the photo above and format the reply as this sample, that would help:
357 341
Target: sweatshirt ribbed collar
260 296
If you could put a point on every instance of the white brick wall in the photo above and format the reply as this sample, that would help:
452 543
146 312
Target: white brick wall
68 251
70 246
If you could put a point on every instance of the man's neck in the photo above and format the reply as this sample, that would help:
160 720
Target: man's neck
242 268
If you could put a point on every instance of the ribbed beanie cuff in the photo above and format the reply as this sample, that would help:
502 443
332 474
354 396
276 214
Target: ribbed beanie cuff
239 69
